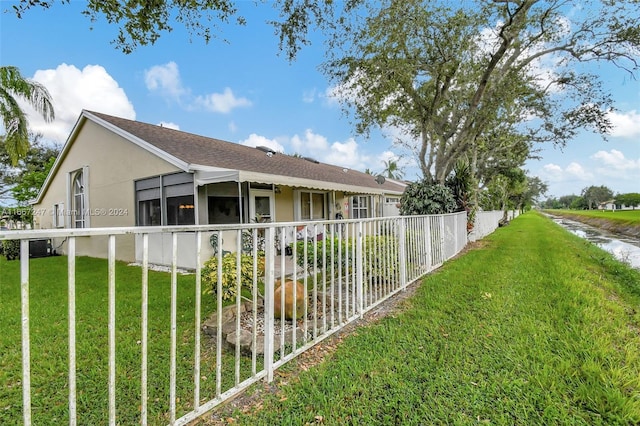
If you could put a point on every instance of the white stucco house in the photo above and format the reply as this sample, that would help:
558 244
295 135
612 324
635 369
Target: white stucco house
118 172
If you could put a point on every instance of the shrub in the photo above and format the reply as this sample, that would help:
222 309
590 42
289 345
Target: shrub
11 249
373 268
377 266
426 198
325 262
230 274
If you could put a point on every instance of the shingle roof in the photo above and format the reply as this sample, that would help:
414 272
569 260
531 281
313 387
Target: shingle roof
200 150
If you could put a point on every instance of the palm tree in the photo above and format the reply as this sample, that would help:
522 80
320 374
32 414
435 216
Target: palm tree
12 86
391 169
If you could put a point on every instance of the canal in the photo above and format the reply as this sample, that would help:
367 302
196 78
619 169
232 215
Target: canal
625 249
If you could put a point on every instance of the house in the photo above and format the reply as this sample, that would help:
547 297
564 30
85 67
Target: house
613 205
114 172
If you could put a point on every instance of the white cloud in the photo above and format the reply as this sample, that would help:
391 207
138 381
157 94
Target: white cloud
574 171
625 125
233 127
552 171
347 154
310 143
73 90
165 79
222 102
614 164
256 140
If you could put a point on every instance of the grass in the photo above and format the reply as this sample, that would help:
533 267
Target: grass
49 343
538 327
624 217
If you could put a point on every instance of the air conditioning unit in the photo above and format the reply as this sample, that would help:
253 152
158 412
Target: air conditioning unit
39 248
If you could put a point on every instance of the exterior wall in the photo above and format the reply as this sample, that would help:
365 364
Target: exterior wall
112 163
285 205
611 206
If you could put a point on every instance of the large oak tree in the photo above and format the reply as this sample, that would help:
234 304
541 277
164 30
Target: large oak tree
485 80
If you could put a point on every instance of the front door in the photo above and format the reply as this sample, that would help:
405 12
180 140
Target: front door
261 206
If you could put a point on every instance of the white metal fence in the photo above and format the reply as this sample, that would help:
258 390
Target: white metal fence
487 222
176 345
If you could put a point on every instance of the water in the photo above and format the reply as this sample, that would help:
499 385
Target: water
625 249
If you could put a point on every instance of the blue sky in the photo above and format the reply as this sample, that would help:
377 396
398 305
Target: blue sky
244 91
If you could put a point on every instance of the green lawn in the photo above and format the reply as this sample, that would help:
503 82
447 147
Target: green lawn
538 327
625 217
49 343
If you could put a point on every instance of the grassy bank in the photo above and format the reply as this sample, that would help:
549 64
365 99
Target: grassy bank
536 327
623 217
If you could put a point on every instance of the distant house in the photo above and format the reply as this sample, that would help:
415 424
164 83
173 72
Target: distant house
612 205
117 172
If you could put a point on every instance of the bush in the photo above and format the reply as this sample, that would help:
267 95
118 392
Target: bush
209 274
11 249
372 268
426 198
324 262
376 268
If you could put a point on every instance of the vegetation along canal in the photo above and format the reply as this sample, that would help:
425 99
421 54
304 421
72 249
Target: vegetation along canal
624 248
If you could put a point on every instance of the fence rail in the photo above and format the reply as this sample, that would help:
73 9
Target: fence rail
233 320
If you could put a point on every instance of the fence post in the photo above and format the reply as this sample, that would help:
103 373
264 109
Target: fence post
428 243
71 289
26 346
442 241
111 259
359 270
269 307
402 253
455 234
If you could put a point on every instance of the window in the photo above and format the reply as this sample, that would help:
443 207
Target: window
78 204
57 215
149 213
223 209
148 202
312 205
165 200
181 210
360 207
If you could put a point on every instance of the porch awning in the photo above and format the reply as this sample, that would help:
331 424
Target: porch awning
204 177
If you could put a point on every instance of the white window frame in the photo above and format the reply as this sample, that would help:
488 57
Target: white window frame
57 215
298 204
368 208
253 193
74 211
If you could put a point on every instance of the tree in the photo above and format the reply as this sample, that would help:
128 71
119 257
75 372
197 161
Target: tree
392 170
12 86
141 23
579 203
566 201
631 199
466 77
534 189
22 183
594 195
506 191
